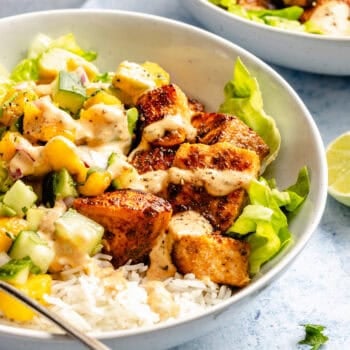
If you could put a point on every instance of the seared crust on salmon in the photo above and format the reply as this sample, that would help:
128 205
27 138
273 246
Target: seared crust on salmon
156 158
219 211
195 106
223 259
219 127
220 156
132 219
163 102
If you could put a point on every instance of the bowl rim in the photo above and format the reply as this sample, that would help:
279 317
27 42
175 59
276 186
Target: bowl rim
258 26
269 276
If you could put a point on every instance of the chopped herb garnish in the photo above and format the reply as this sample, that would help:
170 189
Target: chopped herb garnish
314 336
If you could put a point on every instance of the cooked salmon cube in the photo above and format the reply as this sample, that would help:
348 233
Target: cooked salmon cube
165 116
222 259
155 158
219 211
219 156
133 220
212 180
218 127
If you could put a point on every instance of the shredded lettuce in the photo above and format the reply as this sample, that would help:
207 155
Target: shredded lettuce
28 68
243 99
265 219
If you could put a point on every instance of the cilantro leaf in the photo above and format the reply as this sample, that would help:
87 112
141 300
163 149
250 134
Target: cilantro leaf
314 336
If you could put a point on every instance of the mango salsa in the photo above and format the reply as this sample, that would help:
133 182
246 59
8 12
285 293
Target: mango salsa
35 287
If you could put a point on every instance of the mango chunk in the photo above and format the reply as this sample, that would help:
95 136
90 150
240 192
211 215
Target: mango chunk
62 153
35 287
96 183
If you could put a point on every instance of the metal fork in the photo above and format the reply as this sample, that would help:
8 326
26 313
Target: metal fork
88 341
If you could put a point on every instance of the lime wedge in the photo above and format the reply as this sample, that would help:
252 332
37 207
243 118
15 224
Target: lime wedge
338 159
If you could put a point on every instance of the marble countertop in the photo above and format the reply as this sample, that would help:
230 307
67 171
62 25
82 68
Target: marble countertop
316 288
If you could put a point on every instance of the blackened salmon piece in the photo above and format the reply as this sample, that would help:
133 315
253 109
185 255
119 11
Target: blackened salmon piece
218 127
223 259
133 220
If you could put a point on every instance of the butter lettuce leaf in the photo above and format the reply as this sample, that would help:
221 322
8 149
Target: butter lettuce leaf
264 221
243 99
25 70
42 43
28 68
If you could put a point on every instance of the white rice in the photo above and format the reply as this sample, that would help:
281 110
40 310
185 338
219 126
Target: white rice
103 299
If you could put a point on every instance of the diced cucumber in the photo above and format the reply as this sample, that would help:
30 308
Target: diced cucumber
80 231
68 91
5 180
58 185
16 270
20 198
6 211
133 115
29 243
122 172
35 217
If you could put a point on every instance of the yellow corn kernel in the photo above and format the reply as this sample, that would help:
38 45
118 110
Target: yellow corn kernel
62 153
12 226
35 287
159 75
101 97
96 183
8 144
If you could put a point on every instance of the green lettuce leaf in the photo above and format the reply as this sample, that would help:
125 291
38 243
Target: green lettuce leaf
283 23
243 99
42 43
292 13
27 69
286 18
266 218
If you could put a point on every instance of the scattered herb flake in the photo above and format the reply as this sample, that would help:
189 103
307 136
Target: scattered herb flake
314 336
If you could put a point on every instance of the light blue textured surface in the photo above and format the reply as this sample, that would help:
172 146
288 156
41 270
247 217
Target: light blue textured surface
316 289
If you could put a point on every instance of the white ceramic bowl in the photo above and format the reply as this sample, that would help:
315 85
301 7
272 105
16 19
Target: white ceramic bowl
201 63
313 53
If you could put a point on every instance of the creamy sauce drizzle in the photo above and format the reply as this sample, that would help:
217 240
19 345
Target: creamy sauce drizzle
157 129
54 114
216 182
108 124
152 181
189 223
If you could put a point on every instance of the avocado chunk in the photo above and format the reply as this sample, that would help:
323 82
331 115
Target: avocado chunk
69 92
